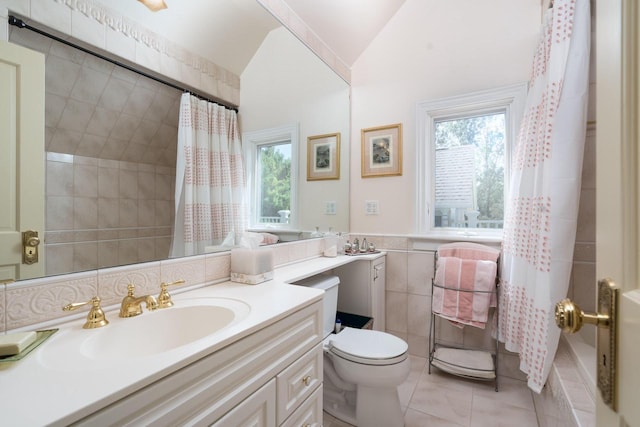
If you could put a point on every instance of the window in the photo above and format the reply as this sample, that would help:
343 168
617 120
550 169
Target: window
272 171
463 160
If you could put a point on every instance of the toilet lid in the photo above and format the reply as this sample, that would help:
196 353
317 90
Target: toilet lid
368 347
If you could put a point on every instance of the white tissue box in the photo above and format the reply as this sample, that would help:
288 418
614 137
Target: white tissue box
251 266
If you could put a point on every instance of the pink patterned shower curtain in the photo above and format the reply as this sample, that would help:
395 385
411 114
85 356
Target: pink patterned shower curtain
542 207
210 177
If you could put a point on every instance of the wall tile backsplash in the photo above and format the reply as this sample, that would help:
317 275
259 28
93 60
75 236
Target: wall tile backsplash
40 301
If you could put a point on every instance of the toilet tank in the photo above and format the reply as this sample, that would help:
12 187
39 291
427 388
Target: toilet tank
329 284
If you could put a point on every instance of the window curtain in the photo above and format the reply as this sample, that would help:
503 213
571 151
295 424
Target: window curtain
542 207
210 177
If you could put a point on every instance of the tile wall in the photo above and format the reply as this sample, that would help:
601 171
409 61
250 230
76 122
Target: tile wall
102 213
110 160
103 29
37 303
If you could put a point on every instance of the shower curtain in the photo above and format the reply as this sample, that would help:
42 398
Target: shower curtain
210 177
542 207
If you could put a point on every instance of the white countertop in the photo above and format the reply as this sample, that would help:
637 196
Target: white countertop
35 392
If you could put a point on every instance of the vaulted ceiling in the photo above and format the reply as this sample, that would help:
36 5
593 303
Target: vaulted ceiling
346 26
228 32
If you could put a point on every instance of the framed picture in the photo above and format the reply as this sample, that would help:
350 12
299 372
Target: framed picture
382 151
323 157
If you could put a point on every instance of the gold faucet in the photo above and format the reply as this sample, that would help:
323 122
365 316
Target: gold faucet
164 299
131 305
95 318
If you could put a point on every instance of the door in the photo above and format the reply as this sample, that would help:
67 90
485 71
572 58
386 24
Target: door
21 157
617 226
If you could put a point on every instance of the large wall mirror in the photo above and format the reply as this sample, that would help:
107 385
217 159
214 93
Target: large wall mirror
110 134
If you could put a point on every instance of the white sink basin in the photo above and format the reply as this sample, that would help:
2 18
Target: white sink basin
148 334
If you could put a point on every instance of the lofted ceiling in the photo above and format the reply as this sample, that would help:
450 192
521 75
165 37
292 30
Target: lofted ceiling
228 32
346 26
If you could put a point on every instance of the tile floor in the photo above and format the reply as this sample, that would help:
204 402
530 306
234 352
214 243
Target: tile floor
440 400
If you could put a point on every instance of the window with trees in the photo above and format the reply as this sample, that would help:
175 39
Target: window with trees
274 191
272 172
463 160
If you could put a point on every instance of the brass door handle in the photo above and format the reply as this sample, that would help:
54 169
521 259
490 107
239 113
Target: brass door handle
30 242
570 317
33 241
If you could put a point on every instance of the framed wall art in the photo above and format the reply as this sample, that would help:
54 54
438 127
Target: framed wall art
323 157
382 151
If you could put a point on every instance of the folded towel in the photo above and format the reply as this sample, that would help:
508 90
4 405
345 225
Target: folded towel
269 239
453 277
467 250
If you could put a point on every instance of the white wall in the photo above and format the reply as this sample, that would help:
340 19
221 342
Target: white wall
430 49
285 83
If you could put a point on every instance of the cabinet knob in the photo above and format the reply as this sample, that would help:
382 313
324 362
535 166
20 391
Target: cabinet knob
306 380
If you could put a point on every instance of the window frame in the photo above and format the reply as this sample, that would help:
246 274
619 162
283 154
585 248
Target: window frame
510 99
252 142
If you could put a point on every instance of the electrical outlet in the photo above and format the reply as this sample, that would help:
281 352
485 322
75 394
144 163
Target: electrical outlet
371 207
330 208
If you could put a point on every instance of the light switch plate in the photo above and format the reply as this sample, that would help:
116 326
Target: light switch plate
371 207
330 208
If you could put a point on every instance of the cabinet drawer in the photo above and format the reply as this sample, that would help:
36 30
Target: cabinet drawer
309 414
257 410
298 381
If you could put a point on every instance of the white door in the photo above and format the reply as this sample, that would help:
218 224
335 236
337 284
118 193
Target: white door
21 157
617 222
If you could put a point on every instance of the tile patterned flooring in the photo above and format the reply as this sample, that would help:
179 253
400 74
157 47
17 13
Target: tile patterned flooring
442 400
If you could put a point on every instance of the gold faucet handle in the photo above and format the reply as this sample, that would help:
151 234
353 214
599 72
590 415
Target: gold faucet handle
95 318
131 289
164 299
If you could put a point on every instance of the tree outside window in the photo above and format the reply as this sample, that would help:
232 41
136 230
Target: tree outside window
275 182
469 175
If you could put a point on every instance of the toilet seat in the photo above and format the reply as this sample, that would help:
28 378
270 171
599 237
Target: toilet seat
368 347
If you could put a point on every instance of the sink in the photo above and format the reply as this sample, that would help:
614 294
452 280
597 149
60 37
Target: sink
146 335
157 331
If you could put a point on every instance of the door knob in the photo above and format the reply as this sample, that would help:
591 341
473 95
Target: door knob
30 242
570 317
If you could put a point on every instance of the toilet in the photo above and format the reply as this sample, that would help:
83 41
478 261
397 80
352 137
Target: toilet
362 368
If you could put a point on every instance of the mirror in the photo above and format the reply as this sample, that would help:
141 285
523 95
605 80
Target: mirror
110 176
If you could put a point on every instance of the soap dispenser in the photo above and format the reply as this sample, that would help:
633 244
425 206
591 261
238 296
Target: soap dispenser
364 247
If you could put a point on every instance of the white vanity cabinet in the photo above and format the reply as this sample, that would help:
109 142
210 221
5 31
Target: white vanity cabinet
362 289
270 378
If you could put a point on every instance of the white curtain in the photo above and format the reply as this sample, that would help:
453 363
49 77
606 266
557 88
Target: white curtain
210 177
542 207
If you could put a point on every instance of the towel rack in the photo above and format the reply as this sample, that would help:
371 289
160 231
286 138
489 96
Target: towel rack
460 360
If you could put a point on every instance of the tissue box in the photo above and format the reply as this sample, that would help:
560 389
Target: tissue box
251 266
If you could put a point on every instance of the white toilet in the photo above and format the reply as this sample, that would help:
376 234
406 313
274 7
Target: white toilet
362 368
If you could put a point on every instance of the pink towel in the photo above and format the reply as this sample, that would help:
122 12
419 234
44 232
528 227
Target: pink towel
467 250
464 308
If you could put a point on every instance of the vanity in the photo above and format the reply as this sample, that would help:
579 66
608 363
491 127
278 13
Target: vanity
223 355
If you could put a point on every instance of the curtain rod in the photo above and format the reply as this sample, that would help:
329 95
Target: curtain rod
21 24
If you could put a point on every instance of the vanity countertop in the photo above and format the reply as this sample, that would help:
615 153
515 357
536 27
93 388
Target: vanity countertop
36 392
